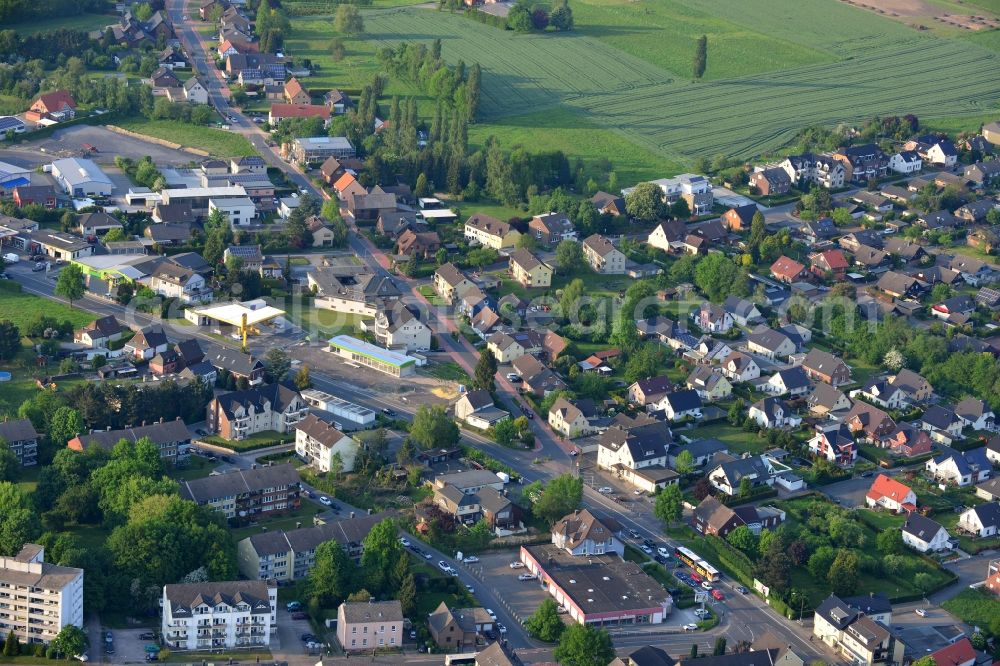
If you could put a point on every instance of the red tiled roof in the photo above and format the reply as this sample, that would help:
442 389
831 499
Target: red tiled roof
958 653
299 111
787 267
885 486
54 101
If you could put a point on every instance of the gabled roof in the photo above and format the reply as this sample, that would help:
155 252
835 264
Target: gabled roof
886 486
787 267
580 526
599 244
488 225
988 514
921 527
525 259
682 401
793 378
767 338
958 653
822 362
824 395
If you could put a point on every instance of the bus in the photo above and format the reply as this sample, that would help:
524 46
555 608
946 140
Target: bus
700 566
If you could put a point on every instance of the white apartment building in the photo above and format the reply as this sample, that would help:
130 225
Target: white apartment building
210 616
38 599
317 442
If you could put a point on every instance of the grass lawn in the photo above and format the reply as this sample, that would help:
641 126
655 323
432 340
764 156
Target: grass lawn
288 521
21 308
883 520
737 439
27 478
427 291
11 105
218 657
258 440
449 371
218 142
562 129
86 22
976 607
197 467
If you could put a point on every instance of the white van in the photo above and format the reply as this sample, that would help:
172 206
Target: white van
11 258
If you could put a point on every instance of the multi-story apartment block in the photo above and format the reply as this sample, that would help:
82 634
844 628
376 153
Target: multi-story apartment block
318 442
243 494
239 414
398 327
858 638
171 437
38 599
285 556
367 625
694 189
602 256
491 232
212 616
22 439
823 170
528 271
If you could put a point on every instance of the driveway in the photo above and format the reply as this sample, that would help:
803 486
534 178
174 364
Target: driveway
850 493
129 648
287 637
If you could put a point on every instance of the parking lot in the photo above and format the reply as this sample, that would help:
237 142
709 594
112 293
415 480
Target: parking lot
129 647
850 493
289 634
519 598
69 142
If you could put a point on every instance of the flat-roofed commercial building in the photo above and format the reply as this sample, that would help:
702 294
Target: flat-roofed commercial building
599 590
376 358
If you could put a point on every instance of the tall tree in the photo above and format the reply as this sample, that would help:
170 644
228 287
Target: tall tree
431 427
276 364
644 202
545 623
333 577
583 645
18 523
348 20
10 340
70 283
669 504
700 56
382 551
486 369
569 256
562 495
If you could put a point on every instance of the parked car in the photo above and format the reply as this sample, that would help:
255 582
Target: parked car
529 414
82 657
388 412
493 616
147 636
690 627
307 637
513 377
502 630
299 615
701 612
293 606
470 589
921 612
527 576
325 501
471 559
405 542
516 565
605 490
108 637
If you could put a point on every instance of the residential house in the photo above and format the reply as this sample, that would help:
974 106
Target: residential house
704 451
993 449
636 451
906 161
323 446
369 625
457 630
825 367
727 477
870 258
98 334
770 343
862 163
281 112
21 439
450 283
528 271
908 441
239 414
942 423
477 409
772 412
825 400
855 637
609 204
829 264
43 195
869 422
882 393
372 205
835 443
900 285
337 100
787 270
738 218
572 419
983 173
959 653
808 168
504 347
890 494
582 534
295 93
535 378
906 249
147 343
649 391
421 245
913 386
58 105
398 327
925 535
468 507
680 405
976 414
665 235
792 382
173 281
550 229
347 186
743 312
991 132
989 490
491 232
982 520
712 318
976 211
934 150
97 224
712 517
709 382
740 368
959 468
602 256
770 182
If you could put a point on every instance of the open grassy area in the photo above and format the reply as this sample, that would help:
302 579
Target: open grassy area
196 467
258 440
976 607
289 521
79 22
562 129
218 142
737 439
818 63
21 308
449 371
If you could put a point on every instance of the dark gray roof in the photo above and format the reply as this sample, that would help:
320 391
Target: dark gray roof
921 527
278 395
347 532
767 337
870 604
18 430
682 401
238 482
837 612
184 598
168 432
793 378
235 361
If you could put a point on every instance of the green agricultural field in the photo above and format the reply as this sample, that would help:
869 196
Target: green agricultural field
740 116
218 142
79 22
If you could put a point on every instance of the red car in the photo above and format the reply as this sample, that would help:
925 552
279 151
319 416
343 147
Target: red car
696 578
300 616
717 595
